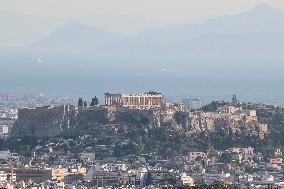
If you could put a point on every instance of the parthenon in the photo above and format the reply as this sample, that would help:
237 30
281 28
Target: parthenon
142 100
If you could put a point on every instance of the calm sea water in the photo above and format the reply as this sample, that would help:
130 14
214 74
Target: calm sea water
251 79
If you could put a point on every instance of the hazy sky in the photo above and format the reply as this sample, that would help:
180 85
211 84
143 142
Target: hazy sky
127 16
164 9
24 22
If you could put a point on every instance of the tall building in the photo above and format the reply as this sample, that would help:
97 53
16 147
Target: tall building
4 131
140 100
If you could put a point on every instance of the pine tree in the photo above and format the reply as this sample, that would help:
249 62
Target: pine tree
94 102
80 102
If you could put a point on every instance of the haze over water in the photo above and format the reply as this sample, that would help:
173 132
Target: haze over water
237 51
217 78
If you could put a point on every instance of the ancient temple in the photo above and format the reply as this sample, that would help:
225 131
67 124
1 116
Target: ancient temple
139 100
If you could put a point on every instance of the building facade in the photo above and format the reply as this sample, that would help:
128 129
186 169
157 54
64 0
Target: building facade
36 175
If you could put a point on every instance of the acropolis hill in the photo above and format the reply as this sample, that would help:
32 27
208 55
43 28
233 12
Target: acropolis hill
146 110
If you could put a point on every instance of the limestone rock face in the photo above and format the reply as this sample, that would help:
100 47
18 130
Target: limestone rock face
105 120
216 122
66 120
136 117
44 122
116 115
94 115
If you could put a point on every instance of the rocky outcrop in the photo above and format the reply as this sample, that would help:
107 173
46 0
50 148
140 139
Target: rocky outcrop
136 117
117 115
66 120
92 118
44 122
90 115
197 122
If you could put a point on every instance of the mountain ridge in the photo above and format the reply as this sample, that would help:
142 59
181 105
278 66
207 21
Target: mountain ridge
76 37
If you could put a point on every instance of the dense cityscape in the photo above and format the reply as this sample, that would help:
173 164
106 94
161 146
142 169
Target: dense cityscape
139 140
141 94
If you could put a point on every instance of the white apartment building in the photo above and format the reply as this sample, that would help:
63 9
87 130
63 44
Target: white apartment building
7 155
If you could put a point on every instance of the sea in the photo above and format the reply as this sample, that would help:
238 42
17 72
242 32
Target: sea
252 79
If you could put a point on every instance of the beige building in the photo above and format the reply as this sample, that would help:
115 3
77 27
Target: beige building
36 175
3 177
59 173
139 100
4 131
263 130
186 180
197 154
277 161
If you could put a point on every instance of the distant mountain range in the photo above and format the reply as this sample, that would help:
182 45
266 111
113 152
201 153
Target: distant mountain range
258 31
235 54
76 37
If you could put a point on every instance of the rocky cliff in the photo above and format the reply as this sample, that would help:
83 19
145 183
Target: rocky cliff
44 121
66 120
